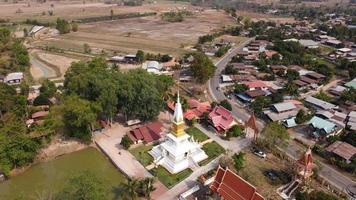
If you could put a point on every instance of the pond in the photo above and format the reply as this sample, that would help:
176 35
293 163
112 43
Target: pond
49 177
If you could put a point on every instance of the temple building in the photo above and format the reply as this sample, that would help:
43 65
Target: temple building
179 151
305 165
230 186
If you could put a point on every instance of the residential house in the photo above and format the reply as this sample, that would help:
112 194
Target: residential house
282 111
319 104
279 69
351 84
322 128
351 120
309 44
14 78
337 90
337 117
196 109
147 133
343 150
230 186
256 85
221 119
124 59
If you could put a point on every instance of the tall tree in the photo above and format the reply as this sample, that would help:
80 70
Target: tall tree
130 189
202 67
146 187
48 88
79 116
275 133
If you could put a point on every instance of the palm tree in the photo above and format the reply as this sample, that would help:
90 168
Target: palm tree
147 187
130 189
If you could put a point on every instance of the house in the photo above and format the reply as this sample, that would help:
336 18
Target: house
250 95
333 42
230 186
343 51
147 133
351 120
300 83
153 67
124 59
308 80
289 123
14 78
343 150
337 117
323 128
196 109
221 119
271 53
319 104
337 90
282 111
315 76
256 85
279 69
309 44
351 84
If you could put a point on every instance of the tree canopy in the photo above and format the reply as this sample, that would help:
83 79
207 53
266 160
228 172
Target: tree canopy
275 133
202 67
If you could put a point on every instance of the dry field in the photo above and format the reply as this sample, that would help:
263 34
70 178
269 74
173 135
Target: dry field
146 33
74 9
266 17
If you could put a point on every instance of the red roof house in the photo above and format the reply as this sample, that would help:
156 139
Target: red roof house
230 186
221 119
196 109
147 133
254 85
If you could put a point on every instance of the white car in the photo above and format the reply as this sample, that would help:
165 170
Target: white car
260 154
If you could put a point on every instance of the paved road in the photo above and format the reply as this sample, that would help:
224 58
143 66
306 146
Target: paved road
328 173
218 95
331 175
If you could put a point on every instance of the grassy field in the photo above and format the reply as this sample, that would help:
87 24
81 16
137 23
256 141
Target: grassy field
169 179
197 134
213 150
141 154
253 173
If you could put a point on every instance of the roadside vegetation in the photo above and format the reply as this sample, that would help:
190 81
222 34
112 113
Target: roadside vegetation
176 16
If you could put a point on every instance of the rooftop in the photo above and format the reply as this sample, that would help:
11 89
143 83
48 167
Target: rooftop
320 103
342 149
281 107
322 124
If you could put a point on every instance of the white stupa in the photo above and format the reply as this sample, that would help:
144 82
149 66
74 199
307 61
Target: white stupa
179 151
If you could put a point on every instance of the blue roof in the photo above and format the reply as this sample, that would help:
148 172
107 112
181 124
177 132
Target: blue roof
289 123
322 124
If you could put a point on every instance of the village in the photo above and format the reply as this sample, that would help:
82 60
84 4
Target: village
250 109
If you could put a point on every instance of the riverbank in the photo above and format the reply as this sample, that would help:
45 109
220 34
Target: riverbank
57 147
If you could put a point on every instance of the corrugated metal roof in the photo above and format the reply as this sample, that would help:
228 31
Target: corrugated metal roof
320 123
320 103
280 107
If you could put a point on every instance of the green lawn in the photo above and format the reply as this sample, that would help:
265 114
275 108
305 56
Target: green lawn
168 179
197 134
141 154
213 150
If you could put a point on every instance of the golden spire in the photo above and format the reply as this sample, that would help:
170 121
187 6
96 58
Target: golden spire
178 119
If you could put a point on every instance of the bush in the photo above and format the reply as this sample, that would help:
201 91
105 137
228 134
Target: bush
126 142
41 100
234 131
239 160
226 104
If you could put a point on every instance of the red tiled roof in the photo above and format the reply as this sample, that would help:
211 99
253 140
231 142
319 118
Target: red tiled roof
148 133
270 53
342 149
197 108
255 84
221 118
255 93
230 186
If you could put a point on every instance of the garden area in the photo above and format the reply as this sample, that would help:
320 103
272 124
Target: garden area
168 179
142 155
196 134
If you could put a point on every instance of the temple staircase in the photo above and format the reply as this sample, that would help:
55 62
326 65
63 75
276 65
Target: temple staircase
286 191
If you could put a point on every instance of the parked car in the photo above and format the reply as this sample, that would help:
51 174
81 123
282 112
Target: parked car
270 174
259 153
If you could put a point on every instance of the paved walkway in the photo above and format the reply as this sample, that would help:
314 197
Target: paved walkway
235 145
189 182
109 142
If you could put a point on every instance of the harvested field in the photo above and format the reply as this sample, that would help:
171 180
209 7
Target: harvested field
259 16
147 33
63 63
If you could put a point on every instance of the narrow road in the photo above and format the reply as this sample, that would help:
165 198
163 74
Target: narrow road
217 95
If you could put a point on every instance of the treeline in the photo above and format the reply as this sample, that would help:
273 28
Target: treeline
115 17
17 58
175 16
